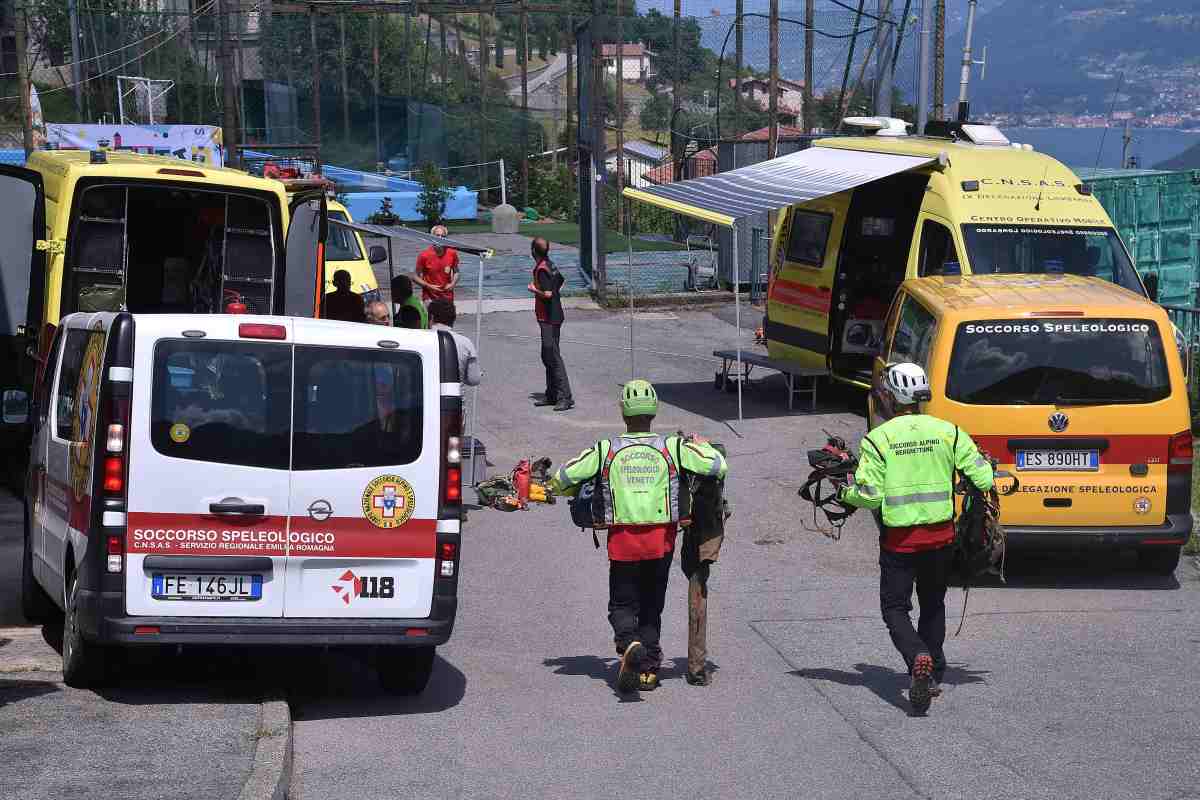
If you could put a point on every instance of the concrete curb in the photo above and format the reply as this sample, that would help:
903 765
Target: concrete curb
271 772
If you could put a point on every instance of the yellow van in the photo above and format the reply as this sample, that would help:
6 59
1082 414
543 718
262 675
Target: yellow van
978 205
109 231
344 249
1075 385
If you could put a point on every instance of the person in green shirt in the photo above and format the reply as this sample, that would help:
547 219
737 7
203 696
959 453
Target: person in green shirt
906 475
639 486
408 311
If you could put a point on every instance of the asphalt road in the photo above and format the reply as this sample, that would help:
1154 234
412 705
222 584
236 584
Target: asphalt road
1073 680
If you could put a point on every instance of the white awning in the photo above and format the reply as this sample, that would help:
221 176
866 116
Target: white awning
771 185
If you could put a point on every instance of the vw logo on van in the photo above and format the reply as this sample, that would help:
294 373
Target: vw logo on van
1058 422
320 510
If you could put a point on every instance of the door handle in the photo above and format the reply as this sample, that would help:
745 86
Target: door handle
255 509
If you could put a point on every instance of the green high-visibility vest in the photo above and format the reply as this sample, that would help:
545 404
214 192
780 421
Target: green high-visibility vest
906 470
413 302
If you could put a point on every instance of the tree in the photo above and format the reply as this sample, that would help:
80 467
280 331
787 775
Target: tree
656 114
385 215
431 202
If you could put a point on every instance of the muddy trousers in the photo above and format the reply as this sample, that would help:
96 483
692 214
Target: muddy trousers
928 570
698 619
637 592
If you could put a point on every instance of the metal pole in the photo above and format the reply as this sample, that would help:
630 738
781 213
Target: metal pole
939 59
883 60
478 344
316 77
523 50
773 102
76 65
620 75
963 105
737 317
629 272
375 89
738 52
483 75
345 79
503 185
923 66
676 152
229 125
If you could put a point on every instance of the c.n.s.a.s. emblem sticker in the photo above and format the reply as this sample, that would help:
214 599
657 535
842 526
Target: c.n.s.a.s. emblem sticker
388 501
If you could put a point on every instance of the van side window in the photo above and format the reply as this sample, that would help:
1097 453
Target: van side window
808 237
913 339
226 402
78 385
938 255
356 408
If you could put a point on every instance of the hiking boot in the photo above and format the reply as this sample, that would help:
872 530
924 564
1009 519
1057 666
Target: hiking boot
628 678
697 678
919 691
564 405
538 402
648 681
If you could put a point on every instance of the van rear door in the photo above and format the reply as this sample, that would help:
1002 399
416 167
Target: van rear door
365 480
208 466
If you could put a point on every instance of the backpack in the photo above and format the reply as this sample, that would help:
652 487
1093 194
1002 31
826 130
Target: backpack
587 506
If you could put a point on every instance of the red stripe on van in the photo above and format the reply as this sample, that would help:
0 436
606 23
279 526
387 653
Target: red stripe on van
61 499
210 535
355 537
793 293
1122 448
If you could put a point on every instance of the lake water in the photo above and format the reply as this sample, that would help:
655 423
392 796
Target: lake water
1078 147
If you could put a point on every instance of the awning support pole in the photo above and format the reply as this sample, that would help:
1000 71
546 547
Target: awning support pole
478 343
737 317
629 270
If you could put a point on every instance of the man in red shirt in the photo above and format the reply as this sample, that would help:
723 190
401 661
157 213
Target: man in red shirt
437 269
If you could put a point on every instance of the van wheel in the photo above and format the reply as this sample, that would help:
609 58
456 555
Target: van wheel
404 670
36 605
1159 560
83 661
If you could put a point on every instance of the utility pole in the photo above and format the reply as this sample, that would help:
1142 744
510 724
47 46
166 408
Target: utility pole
483 73
599 139
345 81
809 111
773 107
76 64
523 51
883 60
229 125
620 110
316 81
22 30
676 153
739 44
923 66
939 59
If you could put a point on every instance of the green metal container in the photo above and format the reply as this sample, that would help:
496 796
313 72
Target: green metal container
1157 215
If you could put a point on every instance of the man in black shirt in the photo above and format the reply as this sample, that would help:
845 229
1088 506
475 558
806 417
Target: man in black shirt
547 307
343 304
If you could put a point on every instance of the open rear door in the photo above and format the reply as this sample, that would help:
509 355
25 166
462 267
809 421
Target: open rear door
304 255
22 286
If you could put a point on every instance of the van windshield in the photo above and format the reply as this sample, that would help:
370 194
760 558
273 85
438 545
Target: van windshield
342 244
1050 249
1058 362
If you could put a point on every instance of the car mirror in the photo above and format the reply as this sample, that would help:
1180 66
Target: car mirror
15 407
1151 281
377 255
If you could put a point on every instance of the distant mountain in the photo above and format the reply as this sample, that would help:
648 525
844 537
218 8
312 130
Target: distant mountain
1069 55
1188 159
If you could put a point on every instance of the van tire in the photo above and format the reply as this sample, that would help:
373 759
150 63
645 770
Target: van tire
36 605
1159 560
83 661
404 670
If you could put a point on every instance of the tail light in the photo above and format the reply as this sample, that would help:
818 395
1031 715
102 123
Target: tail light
116 553
1180 452
452 457
447 559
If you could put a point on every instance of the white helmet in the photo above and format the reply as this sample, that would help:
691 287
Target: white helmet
907 382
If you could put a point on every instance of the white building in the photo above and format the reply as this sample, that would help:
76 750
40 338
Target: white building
636 64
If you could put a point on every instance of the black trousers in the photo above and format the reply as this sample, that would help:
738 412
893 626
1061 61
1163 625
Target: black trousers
637 592
898 572
557 385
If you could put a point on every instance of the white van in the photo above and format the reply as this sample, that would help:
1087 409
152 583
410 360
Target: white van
245 480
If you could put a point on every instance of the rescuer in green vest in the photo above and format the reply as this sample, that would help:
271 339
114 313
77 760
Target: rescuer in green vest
639 504
906 475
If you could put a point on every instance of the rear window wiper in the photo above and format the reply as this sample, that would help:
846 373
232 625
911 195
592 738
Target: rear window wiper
1097 401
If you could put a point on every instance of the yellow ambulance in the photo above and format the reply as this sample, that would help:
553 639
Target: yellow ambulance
977 204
